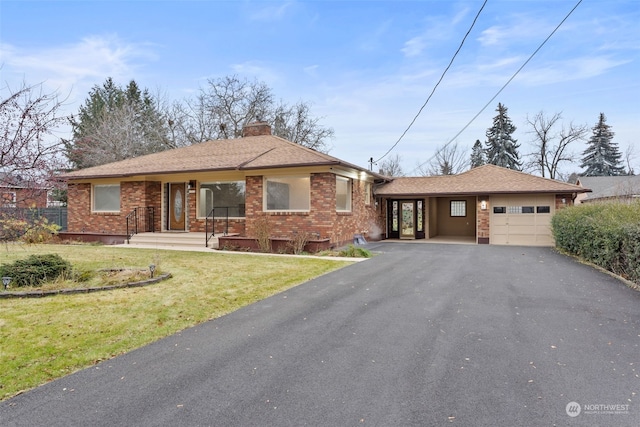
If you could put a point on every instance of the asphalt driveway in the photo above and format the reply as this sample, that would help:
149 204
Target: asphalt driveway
420 335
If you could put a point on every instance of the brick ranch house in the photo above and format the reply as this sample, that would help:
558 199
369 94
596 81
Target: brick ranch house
237 185
234 183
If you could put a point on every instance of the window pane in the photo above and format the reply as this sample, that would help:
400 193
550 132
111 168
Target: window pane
543 209
343 194
106 198
458 208
224 196
287 193
499 209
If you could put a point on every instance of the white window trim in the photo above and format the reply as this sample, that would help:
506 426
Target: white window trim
9 203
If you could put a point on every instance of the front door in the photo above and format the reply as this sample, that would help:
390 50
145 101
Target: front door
407 220
176 207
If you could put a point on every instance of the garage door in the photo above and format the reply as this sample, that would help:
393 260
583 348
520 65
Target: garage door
521 220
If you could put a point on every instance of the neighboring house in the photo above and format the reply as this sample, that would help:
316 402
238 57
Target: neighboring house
487 204
296 189
15 192
238 182
624 188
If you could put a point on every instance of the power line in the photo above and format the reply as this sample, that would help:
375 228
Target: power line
434 88
503 86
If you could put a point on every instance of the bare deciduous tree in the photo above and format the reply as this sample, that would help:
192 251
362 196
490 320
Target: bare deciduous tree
551 145
448 159
226 105
392 166
29 150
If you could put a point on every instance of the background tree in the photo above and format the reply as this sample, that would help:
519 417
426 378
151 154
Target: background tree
477 155
552 145
602 157
29 150
502 149
448 159
116 124
225 105
392 166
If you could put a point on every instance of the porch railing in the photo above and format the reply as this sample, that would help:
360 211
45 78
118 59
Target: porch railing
210 223
140 219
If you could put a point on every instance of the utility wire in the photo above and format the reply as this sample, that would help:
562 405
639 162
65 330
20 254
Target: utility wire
503 87
435 87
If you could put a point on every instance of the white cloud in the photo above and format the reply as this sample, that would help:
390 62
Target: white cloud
71 66
272 12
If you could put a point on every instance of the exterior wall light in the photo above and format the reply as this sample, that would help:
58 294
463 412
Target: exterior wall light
5 282
483 205
152 269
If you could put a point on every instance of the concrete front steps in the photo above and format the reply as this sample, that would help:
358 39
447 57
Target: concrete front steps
175 240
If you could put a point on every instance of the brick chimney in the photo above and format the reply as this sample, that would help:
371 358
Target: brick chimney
256 129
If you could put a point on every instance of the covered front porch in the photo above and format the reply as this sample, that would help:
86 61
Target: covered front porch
444 218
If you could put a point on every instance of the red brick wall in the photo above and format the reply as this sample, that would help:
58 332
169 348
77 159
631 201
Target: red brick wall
322 221
568 201
483 219
132 195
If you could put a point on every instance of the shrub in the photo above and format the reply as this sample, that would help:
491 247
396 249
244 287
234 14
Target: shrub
355 252
41 231
298 241
607 235
35 269
263 233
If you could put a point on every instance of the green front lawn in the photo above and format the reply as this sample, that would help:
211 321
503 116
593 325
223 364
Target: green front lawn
46 338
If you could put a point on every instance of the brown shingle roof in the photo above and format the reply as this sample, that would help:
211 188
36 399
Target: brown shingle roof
481 180
252 152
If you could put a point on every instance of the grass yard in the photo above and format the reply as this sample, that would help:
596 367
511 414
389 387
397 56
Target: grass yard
46 338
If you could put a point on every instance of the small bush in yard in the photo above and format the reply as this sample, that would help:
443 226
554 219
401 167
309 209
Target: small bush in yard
35 269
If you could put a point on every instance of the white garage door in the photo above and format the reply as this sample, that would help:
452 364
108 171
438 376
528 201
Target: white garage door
521 220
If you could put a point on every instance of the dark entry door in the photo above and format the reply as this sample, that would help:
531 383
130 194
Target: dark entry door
176 206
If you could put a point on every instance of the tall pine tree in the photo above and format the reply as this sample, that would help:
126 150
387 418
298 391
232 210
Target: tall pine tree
602 157
115 124
502 149
477 155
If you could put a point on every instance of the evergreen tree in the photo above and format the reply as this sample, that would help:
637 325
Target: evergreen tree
602 157
477 155
502 149
115 124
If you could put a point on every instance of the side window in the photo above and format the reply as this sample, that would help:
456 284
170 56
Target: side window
343 194
458 208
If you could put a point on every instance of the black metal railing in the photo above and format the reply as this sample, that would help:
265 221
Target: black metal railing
140 219
210 222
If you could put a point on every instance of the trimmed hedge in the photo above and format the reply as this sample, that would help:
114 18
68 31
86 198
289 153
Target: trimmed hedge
607 235
35 269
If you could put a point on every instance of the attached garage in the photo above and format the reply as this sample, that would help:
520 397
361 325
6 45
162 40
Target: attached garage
521 220
489 204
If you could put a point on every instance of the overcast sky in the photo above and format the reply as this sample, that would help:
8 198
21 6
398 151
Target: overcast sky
366 67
